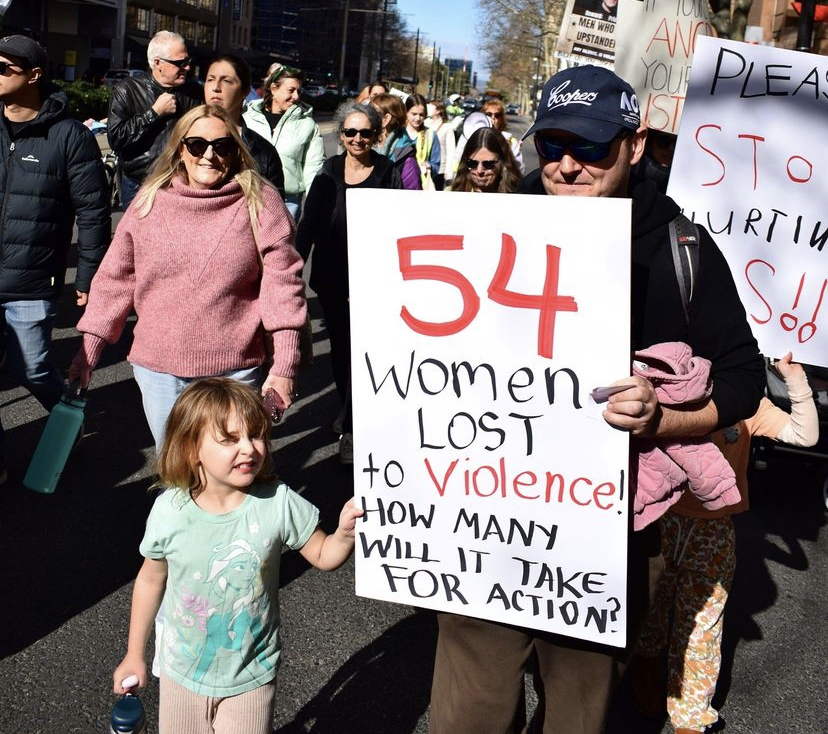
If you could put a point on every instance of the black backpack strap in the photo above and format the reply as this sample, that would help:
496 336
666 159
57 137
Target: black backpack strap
684 244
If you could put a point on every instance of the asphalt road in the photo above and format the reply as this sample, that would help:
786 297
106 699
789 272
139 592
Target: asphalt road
351 665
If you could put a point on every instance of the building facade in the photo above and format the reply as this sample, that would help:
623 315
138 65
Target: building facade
336 42
276 29
199 22
82 37
332 41
459 75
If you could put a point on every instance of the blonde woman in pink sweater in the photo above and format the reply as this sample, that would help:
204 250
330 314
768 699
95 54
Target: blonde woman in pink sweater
205 287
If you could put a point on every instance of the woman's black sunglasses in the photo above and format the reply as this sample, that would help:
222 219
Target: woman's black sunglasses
222 147
472 164
352 132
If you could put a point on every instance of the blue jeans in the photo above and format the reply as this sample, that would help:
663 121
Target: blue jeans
293 202
28 336
159 392
129 187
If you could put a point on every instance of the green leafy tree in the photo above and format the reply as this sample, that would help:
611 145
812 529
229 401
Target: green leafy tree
518 41
86 100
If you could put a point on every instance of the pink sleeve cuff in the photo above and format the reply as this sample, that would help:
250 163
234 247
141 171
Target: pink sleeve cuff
90 351
285 353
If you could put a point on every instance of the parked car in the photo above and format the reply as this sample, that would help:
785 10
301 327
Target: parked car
313 90
470 104
513 108
114 75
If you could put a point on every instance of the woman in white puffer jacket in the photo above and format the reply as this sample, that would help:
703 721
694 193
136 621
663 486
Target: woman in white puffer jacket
288 123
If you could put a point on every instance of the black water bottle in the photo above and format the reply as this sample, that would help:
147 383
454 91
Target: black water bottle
128 712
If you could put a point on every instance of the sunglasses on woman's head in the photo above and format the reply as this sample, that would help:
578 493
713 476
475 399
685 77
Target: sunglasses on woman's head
583 151
472 164
496 115
222 147
279 72
352 132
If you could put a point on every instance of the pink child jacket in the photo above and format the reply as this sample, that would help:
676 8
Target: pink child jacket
663 468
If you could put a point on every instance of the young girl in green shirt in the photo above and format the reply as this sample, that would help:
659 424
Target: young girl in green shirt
212 550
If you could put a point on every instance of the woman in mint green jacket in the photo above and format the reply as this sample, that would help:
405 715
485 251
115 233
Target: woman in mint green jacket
287 123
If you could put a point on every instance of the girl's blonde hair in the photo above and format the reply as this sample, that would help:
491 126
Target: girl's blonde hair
205 406
170 164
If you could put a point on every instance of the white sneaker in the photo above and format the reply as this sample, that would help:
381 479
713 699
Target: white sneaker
346 448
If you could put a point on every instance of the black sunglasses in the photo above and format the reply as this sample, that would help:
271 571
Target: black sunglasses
352 132
222 147
583 151
6 65
180 63
472 164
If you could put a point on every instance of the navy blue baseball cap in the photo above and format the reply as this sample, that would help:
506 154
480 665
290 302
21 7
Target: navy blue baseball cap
589 101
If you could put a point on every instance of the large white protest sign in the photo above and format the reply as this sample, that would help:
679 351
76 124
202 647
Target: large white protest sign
493 487
655 42
751 165
587 34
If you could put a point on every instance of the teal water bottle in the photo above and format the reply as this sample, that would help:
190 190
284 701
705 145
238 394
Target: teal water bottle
128 712
57 441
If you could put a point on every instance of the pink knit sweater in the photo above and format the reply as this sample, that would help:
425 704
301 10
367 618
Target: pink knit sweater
191 272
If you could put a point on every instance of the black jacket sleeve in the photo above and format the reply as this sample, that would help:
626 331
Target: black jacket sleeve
316 213
132 125
273 171
719 331
89 191
268 162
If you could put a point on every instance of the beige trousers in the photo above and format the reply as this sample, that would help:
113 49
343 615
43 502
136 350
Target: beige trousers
180 711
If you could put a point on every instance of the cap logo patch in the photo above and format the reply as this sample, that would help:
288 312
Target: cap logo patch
629 102
559 97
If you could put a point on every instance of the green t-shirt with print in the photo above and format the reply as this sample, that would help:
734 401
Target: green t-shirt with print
221 605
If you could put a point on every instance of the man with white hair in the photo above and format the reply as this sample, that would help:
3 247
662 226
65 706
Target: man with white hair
144 109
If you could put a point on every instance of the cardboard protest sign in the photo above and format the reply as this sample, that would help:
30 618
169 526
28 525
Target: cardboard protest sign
493 486
751 165
655 50
587 34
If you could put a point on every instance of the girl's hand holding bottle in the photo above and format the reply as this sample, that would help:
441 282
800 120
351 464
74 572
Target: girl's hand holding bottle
130 674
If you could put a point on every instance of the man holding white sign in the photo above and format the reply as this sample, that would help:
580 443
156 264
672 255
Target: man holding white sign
588 135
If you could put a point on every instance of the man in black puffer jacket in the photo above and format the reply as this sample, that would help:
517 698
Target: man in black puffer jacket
144 109
50 172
